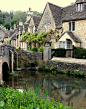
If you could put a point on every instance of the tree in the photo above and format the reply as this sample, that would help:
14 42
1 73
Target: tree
7 26
18 16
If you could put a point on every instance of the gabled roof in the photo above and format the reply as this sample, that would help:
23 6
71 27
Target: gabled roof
69 13
36 20
71 34
14 36
56 13
80 1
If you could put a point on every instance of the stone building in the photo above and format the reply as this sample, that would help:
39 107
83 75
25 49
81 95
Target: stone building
70 21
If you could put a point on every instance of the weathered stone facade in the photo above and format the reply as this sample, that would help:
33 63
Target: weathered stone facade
46 19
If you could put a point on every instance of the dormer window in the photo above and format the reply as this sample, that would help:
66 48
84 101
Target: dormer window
79 7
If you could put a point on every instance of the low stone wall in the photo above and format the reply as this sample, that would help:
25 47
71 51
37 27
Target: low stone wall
29 56
65 66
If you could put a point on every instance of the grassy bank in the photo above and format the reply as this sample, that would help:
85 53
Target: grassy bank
55 70
13 99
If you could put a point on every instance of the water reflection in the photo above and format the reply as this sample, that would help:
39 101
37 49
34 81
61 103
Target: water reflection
69 90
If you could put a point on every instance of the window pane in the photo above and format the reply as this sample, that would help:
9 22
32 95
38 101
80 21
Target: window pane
68 45
63 44
60 44
81 7
78 7
69 26
73 26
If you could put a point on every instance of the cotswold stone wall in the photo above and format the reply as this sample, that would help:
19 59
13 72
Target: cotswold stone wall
29 56
65 66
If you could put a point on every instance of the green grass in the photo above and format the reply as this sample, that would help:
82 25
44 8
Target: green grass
13 99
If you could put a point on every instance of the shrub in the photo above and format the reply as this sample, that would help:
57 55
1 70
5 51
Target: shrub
79 53
35 62
60 53
19 66
41 49
34 49
27 64
13 99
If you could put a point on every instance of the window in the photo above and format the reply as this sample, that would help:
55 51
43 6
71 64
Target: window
73 26
47 27
69 26
62 44
79 7
68 45
31 29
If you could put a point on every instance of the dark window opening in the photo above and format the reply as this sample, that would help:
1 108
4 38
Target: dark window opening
69 26
73 26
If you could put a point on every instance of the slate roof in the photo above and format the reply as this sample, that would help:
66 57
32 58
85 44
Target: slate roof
56 13
36 20
80 1
14 36
71 34
68 13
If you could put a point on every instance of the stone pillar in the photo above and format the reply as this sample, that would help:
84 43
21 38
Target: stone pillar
47 53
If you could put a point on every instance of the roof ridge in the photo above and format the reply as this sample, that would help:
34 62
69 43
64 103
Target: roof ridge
53 4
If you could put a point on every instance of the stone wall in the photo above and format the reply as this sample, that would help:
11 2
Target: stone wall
66 66
29 56
46 18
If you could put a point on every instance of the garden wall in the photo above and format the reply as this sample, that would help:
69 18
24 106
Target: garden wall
66 66
38 56
29 56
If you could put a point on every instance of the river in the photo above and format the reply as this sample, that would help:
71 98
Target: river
69 91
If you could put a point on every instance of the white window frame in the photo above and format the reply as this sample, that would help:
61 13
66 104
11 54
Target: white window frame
47 26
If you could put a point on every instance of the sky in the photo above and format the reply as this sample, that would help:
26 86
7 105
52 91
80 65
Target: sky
35 5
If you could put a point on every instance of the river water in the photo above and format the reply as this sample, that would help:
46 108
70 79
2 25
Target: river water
69 91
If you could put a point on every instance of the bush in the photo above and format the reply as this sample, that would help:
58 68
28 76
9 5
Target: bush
19 66
34 49
60 53
35 62
41 49
27 64
79 53
13 99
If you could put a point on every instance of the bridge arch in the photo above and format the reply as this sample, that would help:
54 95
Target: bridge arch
5 70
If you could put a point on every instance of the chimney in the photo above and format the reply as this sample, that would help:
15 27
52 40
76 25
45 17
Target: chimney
30 12
20 23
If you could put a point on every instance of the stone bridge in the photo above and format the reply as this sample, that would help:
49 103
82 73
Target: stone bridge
7 54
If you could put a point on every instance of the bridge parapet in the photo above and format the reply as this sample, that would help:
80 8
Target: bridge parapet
4 49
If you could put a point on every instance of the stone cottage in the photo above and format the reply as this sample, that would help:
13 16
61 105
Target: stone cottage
70 21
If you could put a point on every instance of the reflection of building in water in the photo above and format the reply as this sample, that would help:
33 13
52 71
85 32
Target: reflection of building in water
68 93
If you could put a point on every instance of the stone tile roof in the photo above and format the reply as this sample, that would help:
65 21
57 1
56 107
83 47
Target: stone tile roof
14 36
69 13
71 34
36 20
80 1
56 13
23 40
